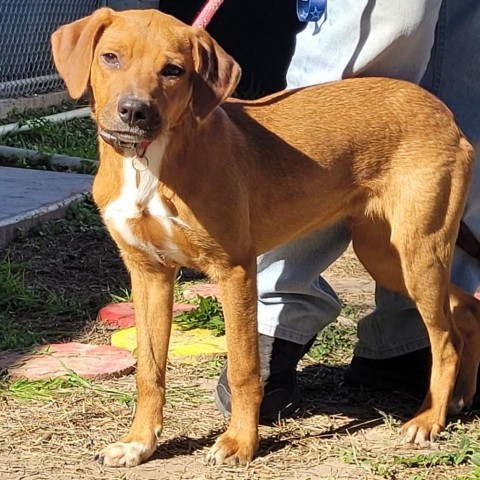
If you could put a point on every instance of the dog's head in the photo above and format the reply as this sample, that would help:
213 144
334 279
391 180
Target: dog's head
145 69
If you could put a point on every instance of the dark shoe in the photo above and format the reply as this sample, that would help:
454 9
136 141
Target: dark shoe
278 370
408 373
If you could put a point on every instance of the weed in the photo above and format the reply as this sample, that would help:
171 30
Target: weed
334 344
466 453
208 314
82 216
124 296
352 311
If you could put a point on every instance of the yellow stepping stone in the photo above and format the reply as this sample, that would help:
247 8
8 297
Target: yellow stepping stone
186 346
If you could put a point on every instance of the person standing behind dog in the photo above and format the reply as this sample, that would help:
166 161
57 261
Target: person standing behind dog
430 42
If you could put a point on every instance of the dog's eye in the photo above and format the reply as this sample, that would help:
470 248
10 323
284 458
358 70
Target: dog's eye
171 70
111 59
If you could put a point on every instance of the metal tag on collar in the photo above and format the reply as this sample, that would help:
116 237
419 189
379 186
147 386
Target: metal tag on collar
140 162
310 10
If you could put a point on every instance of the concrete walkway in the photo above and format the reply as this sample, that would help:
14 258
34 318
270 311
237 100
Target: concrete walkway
30 197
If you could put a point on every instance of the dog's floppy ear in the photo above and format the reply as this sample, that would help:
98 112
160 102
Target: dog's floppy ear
216 74
73 46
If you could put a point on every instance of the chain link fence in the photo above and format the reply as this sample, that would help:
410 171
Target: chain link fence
26 65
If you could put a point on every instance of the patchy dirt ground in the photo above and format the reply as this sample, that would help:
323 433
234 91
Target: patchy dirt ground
51 431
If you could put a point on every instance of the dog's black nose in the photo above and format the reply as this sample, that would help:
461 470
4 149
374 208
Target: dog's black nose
135 112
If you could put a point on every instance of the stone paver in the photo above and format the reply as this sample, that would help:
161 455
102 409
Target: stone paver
186 346
122 315
202 289
55 360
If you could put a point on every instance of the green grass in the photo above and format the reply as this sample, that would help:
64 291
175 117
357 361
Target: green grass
16 116
15 335
49 389
82 216
75 138
463 449
20 300
458 447
17 297
176 394
125 295
73 385
24 305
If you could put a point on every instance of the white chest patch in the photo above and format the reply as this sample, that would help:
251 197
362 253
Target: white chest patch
135 198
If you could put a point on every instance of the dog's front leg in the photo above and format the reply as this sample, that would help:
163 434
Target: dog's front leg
153 299
239 298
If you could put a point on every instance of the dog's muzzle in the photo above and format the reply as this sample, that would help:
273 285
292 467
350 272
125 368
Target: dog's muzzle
122 144
132 149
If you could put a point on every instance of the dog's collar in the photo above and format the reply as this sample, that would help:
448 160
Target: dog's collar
135 150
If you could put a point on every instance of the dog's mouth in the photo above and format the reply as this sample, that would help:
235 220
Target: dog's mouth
121 140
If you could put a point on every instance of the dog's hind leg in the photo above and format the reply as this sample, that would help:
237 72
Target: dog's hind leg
430 293
406 262
152 289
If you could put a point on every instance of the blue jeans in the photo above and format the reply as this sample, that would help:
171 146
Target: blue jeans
391 38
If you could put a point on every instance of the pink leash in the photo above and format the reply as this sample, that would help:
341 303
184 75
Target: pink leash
207 12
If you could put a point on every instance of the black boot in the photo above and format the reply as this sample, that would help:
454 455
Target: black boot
407 373
278 371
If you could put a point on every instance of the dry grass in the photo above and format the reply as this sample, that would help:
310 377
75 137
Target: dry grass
53 431
338 433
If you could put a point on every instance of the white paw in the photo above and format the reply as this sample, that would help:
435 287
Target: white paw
124 454
229 451
421 432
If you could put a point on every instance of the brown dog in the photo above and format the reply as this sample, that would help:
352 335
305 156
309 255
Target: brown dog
184 180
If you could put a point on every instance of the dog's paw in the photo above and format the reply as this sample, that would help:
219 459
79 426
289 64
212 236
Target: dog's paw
124 454
421 431
229 450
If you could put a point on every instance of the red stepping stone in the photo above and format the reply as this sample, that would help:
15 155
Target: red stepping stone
118 315
182 307
122 315
56 360
202 289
